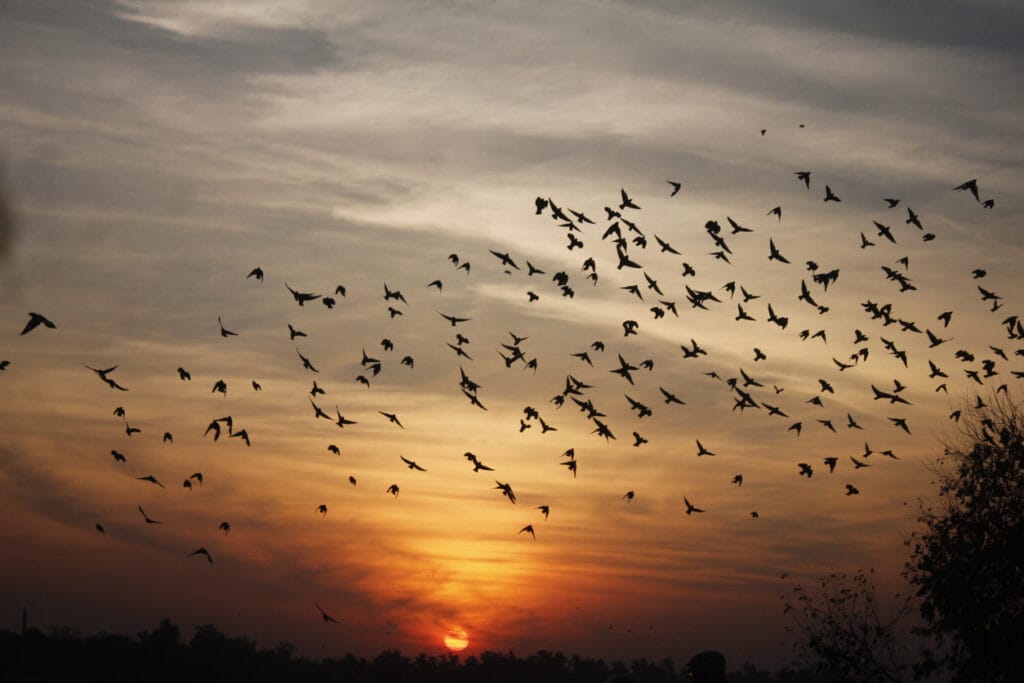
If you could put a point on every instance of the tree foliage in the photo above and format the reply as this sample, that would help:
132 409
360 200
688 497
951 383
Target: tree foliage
967 561
842 629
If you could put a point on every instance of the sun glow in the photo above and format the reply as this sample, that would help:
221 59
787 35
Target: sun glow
456 640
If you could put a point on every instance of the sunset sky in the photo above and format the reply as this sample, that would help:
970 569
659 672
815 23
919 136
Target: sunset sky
153 153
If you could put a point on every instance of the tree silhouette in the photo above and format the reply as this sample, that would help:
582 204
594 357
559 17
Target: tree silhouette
842 629
967 562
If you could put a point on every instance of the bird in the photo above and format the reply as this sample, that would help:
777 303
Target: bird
35 320
934 340
913 219
804 177
103 375
625 369
545 509
602 430
214 427
118 457
506 490
147 517
627 202
411 464
322 509
301 297
774 253
830 196
900 422
529 529
701 450
325 616
151 479
690 508
736 227
452 319
971 186
393 490
119 411
342 420
305 361
202 551
99 528
224 332
477 464
462 353
670 397
676 186
225 527
505 259
392 417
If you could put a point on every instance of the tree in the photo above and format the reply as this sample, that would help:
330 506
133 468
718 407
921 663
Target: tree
967 562
841 628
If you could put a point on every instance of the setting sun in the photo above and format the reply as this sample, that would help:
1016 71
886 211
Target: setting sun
456 640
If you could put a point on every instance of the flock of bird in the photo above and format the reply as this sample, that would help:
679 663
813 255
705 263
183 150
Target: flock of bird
632 248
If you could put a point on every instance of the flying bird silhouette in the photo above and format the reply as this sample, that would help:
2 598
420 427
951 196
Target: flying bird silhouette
411 464
971 186
224 332
202 551
325 616
147 517
35 320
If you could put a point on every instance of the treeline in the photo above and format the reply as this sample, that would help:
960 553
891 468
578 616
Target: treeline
62 656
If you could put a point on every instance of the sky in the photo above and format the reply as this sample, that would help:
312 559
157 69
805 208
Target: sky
153 154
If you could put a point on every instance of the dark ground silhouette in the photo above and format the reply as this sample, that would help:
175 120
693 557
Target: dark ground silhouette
62 655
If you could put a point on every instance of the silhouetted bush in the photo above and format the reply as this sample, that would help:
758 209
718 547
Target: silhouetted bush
63 656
